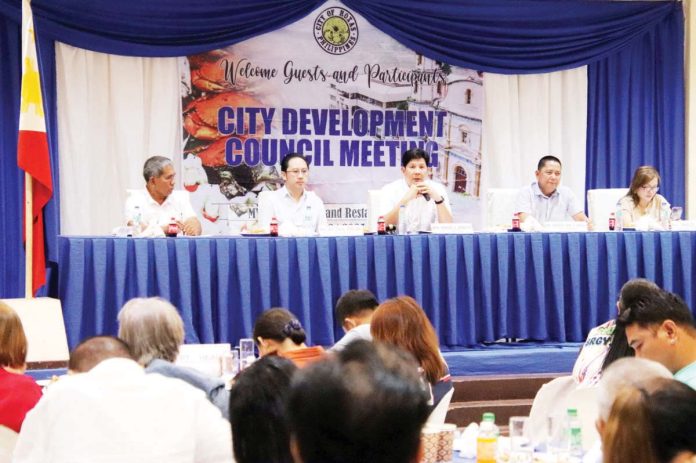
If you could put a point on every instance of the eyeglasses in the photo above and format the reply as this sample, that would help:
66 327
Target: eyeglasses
298 171
650 188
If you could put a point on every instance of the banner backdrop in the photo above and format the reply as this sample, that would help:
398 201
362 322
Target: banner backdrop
339 91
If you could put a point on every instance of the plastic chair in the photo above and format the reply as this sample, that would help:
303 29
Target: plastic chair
8 440
500 206
601 203
439 413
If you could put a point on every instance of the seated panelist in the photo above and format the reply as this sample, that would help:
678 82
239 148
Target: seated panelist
425 202
295 208
159 203
546 200
642 203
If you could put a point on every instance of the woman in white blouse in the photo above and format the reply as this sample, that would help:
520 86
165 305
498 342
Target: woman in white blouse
642 202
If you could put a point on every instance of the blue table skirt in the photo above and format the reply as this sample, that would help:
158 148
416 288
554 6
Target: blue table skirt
475 288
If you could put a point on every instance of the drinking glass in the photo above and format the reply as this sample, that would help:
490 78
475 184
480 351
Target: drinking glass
676 213
246 352
558 443
230 364
521 449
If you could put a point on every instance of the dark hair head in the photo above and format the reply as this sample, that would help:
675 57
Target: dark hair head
354 302
653 422
402 322
13 341
642 176
279 324
154 167
92 351
631 292
286 160
414 153
367 403
655 308
257 411
542 162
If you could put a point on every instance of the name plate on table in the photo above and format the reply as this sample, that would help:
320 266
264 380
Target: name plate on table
565 226
683 225
203 357
341 230
452 228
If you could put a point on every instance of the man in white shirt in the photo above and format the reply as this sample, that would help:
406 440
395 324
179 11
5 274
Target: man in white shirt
159 203
425 202
545 200
297 210
116 412
354 310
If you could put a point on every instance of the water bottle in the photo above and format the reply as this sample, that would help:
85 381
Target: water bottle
487 440
619 217
273 229
381 226
574 433
307 223
137 221
402 228
612 221
172 228
516 222
664 215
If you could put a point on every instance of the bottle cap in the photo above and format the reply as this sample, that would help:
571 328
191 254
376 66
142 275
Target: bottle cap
573 412
488 416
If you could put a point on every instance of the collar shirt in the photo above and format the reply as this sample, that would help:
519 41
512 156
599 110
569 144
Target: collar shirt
116 413
420 214
152 213
354 334
560 206
687 375
307 214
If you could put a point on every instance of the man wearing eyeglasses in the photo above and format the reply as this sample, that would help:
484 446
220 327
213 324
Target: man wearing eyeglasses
297 210
545 200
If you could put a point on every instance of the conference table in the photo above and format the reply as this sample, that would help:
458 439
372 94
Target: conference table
475 288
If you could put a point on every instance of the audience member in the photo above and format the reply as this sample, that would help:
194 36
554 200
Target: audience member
159 203
653 422
622 373
661 328
116 412
546 200
257 411
402 322
18 392
365 404
425 202
607 342
642 203
354 310
154 330
297 210
278 332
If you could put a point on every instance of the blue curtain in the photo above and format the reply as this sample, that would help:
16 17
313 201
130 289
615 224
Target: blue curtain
634 50
635 113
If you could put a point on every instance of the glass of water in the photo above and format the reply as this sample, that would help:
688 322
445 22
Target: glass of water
676 213
246 352
521 449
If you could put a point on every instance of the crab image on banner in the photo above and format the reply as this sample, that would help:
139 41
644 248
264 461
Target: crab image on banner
339 91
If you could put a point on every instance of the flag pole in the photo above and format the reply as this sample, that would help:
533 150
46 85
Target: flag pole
29 236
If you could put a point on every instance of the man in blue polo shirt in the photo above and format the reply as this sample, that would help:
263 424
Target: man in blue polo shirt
545 200
662 328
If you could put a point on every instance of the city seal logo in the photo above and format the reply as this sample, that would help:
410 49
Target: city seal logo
336 30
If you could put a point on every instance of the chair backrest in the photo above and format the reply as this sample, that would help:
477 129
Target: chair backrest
500 205
601 203
8 440
439 413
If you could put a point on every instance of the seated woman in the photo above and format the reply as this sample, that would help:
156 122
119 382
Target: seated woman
154 330
278 332
257 411
652 423
402 322
642 205
607 342
18 392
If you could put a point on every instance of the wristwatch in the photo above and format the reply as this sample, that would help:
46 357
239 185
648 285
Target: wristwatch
442 200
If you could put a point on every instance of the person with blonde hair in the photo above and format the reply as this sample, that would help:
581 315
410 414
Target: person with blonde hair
154 330
401 322
642 202
653 422
19 393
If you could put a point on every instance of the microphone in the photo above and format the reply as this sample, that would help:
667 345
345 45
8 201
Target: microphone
426 196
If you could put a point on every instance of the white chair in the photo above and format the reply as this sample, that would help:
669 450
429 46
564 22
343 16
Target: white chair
439 413
500 206
601 203
8 440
